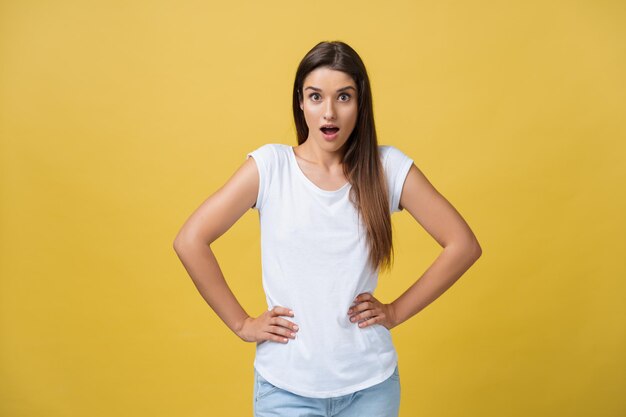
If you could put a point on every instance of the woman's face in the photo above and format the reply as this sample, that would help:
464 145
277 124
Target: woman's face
329 97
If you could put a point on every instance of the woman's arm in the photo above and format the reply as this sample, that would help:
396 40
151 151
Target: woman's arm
441 220
207 223
192 245
460 250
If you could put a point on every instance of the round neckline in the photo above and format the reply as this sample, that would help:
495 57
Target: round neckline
307 180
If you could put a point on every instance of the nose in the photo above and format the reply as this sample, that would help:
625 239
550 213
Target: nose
329 111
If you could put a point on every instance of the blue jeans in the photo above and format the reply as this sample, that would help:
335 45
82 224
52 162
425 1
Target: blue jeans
380 400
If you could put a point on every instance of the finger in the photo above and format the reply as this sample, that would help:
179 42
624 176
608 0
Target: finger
363 306
286 323
360 316
279 321
276 338
282 311
282 331
369 322
363 297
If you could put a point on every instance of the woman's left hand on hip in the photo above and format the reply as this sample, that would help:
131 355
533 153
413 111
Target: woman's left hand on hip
367 310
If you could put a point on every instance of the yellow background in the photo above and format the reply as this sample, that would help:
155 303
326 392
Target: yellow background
118 118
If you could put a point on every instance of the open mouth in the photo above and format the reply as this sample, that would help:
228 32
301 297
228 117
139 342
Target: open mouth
329 130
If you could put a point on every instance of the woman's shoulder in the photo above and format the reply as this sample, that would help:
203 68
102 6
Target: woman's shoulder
271 150
270 155
396 165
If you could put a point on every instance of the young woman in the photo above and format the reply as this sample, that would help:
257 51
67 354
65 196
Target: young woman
324 347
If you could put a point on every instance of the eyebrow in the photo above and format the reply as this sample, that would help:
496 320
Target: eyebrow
341 89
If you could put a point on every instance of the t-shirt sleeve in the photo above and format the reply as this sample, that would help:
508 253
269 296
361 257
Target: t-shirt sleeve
263 157
397 165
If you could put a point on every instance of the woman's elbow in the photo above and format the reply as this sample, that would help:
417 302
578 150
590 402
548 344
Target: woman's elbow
474 249
180 242
177 245
468 245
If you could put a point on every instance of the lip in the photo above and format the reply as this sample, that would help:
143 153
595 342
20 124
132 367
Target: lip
331 136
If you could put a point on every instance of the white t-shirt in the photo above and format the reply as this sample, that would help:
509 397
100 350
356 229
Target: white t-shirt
314 257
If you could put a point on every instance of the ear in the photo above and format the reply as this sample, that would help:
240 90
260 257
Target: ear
301 106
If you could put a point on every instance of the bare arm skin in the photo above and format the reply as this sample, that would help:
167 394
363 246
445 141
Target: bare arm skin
192 245
461 249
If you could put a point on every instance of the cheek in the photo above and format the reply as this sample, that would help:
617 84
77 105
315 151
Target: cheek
306 110
351 115
309 118
311 114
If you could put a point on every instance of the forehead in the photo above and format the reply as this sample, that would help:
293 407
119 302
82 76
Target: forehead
326 78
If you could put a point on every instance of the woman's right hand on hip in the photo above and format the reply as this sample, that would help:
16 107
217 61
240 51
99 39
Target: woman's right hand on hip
269 326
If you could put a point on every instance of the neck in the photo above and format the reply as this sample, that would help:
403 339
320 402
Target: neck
316 155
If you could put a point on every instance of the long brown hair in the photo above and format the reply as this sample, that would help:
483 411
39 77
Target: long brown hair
361 161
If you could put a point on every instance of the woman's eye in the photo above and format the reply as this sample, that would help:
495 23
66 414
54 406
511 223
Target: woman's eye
315 96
